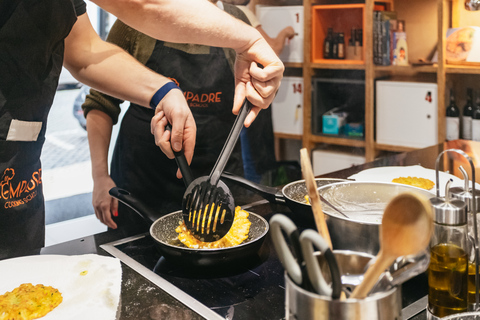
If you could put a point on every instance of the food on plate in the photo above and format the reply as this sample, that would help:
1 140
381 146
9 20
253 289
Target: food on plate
27 302
423 183
236 235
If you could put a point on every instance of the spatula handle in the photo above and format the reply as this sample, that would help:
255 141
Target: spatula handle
182 163
230 143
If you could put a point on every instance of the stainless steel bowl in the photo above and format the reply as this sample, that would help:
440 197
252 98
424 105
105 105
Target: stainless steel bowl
363 203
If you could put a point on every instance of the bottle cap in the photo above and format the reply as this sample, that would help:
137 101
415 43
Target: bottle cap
466 193
449 211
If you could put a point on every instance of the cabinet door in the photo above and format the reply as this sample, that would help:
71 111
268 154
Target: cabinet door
406 113
287 107
275 19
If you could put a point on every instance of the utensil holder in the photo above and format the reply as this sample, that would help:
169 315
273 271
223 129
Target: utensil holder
303 304
474 210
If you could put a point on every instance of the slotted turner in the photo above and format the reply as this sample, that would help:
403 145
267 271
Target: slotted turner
208 206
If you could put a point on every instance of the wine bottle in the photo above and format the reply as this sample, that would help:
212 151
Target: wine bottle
467 116
335 46
453 119
341 46
328 45
476 120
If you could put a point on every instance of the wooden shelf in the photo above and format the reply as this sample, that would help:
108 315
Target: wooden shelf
288 136
293 65
408 69
338 141
462 69
338 66
438 18
386 147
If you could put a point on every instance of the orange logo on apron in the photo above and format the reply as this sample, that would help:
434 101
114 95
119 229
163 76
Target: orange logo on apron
17 193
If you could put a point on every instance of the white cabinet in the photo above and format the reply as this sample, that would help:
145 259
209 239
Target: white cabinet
275 19
287 107
326 161
406 113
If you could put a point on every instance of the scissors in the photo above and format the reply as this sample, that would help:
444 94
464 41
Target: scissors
301 264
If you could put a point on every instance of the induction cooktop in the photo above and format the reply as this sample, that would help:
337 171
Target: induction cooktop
252 289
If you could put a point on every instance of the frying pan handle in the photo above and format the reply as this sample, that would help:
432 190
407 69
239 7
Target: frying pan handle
273 195
308 239
182 163
293 267
129 200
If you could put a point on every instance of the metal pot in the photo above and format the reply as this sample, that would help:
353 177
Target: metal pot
162 230
350 197
292 194
303 304
363 203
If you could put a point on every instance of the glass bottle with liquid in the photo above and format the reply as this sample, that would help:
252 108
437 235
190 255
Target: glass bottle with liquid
341 46
476 119
467 116
465 194
453 119
448 268
328 45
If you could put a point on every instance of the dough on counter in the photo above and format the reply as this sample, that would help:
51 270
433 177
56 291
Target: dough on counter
423 183
27 302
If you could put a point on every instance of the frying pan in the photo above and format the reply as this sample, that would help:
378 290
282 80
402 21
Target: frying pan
162 231
292 194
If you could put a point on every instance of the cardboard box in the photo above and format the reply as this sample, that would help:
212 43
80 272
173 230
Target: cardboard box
333 123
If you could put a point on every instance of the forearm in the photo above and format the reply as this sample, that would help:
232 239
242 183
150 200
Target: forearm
183 21
99 131
107 67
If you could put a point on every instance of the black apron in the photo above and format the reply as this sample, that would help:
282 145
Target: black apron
140 167
31 57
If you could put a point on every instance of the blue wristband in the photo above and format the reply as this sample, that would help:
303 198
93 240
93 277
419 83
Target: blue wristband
158 96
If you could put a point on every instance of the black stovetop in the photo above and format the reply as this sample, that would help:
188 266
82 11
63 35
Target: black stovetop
253 288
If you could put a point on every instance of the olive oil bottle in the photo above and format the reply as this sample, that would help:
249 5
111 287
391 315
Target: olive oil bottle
448 268
447 280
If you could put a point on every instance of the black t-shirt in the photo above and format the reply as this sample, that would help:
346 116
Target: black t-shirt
8 6
80 7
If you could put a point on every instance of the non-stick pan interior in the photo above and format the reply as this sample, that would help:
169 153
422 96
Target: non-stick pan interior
163 230
297 190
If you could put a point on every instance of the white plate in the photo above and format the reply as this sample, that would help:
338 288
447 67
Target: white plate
387 174
95 295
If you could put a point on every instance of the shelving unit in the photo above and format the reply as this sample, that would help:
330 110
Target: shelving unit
432 18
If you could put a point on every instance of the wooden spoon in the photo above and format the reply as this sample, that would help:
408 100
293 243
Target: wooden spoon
407 226
314 197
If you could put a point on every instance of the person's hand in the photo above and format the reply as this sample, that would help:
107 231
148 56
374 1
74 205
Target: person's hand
173 109
288 32
103 203
258 73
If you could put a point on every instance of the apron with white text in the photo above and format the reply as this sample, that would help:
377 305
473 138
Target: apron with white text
31 57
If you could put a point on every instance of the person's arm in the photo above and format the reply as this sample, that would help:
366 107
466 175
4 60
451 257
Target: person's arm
113 71
99 131
278 43
201 22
